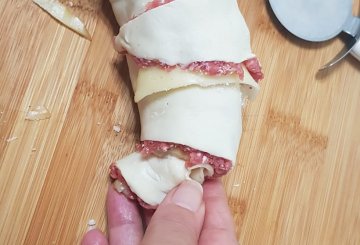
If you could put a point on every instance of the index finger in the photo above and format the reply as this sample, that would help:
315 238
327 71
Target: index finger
124 220
218 225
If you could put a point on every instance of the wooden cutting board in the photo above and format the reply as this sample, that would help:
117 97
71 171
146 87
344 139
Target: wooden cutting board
298 173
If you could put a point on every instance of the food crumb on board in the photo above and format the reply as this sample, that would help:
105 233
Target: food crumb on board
91 224
99 123
236 185
37 113
11 139
116 129
33 149
61 13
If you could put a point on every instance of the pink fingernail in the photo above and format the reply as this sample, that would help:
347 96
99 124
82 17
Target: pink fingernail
93 236
188 195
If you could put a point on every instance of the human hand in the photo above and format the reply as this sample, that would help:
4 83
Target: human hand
190 214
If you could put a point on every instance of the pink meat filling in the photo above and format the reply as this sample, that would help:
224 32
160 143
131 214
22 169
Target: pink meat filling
194 157
254 68
211 68
156 3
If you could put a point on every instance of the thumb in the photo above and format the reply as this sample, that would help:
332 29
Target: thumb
179 218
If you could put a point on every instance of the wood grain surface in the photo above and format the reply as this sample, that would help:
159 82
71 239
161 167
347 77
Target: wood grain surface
298 173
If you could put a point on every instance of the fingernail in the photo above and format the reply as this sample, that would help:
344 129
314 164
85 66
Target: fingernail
188 195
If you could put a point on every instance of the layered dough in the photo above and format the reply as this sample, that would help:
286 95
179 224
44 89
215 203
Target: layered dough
177 105
186 31
151 178
207 119
187 109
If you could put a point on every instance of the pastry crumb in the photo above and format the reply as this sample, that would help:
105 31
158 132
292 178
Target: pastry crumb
11 139
91 224
37 113
116 128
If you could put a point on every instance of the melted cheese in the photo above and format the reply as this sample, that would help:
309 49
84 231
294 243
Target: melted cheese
205 118
186 31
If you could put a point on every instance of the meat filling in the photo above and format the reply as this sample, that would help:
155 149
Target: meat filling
156 3
211 68
191 156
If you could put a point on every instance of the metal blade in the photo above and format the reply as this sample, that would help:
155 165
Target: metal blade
349 44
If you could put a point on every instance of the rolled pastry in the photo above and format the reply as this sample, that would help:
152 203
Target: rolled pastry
191 68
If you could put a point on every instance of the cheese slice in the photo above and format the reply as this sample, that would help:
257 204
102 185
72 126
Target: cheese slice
153 177
208 119
186 31
147 81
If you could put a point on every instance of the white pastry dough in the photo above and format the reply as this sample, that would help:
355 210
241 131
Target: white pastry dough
208 119
186 31
126 10
152 178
